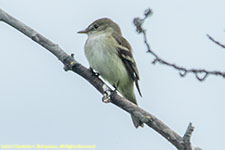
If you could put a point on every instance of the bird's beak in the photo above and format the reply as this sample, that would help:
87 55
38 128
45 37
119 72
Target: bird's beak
83 31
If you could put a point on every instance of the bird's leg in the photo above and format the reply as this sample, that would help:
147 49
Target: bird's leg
115 88
95 73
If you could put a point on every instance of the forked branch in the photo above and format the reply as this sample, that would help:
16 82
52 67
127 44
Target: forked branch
200 74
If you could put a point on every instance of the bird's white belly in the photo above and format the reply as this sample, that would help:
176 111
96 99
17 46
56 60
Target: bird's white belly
104 59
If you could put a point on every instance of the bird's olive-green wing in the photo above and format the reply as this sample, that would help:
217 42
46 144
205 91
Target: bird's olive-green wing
125 53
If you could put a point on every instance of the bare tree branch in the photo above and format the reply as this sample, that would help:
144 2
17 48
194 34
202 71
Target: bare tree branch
71 64
212 39
200 74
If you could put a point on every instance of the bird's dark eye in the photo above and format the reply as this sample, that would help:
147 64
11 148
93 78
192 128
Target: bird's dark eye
95 26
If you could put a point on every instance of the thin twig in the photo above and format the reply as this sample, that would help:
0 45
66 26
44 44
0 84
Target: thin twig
200 74
212 39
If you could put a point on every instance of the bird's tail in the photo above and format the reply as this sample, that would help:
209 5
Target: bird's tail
129 94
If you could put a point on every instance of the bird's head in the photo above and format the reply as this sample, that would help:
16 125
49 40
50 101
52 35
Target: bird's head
101 26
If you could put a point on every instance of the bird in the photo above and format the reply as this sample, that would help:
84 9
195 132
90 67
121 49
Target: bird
110 55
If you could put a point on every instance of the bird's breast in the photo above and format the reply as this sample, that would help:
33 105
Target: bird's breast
103 57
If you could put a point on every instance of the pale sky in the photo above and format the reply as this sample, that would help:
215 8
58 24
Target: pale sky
43 104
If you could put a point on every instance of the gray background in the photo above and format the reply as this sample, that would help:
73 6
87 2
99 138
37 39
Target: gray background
42 104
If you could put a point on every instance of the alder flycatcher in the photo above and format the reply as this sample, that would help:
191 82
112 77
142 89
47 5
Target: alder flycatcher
110 54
